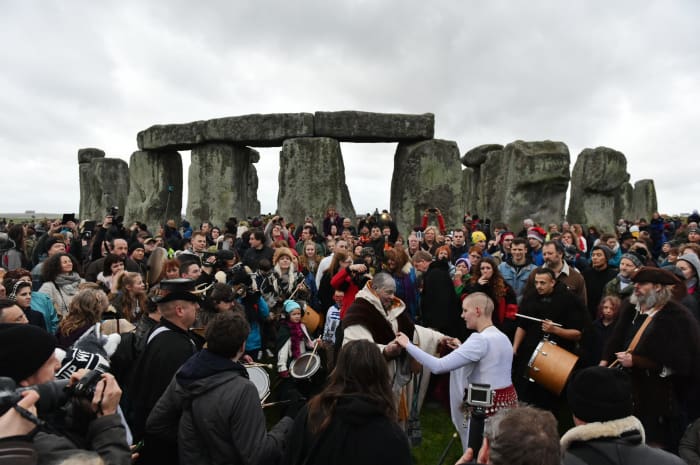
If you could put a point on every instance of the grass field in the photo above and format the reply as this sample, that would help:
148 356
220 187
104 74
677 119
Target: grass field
437 430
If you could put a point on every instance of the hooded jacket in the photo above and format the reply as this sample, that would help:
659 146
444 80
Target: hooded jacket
213 411
613 442
359 433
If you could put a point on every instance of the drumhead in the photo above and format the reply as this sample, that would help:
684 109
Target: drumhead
298 367
259 377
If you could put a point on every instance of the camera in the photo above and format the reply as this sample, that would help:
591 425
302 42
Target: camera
432 210
479 395
117 222
52 395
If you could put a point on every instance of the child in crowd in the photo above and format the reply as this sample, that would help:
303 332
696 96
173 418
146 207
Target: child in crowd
600 332
293 338
330 327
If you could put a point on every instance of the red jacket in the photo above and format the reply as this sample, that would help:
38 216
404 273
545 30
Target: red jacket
342 281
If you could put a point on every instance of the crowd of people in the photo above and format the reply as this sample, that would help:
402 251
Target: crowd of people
157 346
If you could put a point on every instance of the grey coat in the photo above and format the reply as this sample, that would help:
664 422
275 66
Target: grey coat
216 419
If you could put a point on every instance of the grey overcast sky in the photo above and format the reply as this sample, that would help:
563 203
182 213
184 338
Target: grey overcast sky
623 74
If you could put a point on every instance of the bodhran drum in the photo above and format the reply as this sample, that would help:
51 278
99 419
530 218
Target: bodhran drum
259 377
312 319
551 366
305 366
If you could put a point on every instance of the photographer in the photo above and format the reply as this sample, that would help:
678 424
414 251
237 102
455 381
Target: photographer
35 363
15 432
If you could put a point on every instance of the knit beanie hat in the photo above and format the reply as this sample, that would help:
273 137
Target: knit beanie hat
536 233
465 261
290 306
600 394
634 258
24 349
478 236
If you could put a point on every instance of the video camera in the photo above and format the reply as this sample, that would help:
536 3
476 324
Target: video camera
52 395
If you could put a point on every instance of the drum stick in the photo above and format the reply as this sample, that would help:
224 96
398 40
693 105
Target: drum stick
299 286
263 365
311 358
279 402
535 319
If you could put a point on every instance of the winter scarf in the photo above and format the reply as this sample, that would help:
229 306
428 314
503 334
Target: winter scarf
68 283
296 336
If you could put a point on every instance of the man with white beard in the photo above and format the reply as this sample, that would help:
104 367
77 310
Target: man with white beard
657 341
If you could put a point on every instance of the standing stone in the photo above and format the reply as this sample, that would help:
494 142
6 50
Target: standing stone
155 188
104 183
426 174
266 130
597 187
311 178
643 200
525 180
491 182
470 186
626 196
362 126
222 183
473 160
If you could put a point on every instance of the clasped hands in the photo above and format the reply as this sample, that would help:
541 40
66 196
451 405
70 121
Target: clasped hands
401 342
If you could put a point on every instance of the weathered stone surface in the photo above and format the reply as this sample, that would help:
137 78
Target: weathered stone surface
361 126
312 177
643 200
104 183
626 195
222 183
257 130
426 174
155 188
470 193
489 176
87 154
526 179
477 156
597 187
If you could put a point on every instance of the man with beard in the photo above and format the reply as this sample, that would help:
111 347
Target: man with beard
621 286
656 340
118 247
552 303
553 254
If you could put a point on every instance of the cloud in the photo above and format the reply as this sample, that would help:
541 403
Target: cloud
622 74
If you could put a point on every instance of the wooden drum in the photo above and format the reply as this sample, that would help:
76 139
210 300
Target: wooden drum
551 366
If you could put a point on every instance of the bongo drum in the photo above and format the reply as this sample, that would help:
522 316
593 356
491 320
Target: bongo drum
259 377
550 366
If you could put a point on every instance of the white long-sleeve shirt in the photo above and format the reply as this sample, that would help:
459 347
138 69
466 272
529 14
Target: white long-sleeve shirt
490 352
